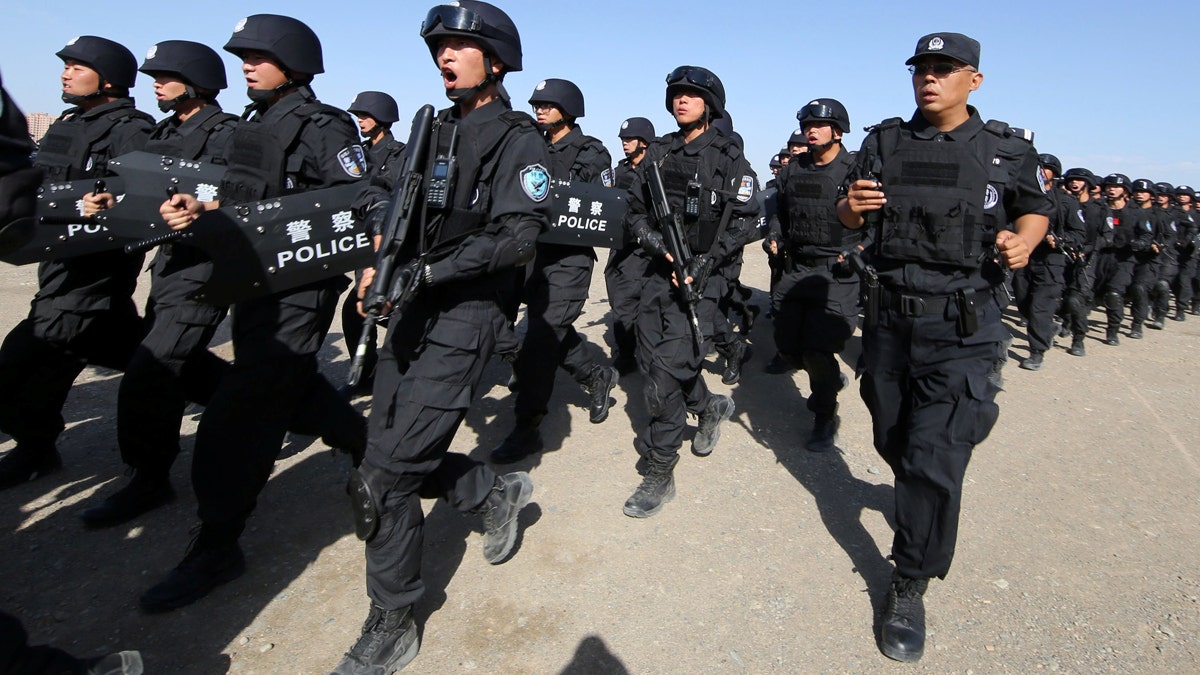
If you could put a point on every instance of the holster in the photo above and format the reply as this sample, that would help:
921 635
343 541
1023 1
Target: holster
968 319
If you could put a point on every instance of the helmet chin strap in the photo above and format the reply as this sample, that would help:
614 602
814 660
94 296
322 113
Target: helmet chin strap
76 99
265 95
169 105
465 94
549 128
818 148
697 123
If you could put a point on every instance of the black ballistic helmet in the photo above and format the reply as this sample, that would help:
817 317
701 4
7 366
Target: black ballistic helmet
486 24
1116 179
1143 185
1164 188
561 93
637 127
1077 173
291 43
775 163
1183 190
825 109
1051 162
115 64
798 137
196 64
375 104
699 79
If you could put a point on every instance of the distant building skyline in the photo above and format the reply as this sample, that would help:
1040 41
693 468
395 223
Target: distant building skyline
38 123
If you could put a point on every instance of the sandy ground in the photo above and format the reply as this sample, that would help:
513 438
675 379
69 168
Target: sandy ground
1078 545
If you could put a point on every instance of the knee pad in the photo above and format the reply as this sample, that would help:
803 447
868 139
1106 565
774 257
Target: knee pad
365 506
1161 287
1113 300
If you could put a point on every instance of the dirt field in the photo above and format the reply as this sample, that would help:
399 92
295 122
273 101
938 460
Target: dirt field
1078 548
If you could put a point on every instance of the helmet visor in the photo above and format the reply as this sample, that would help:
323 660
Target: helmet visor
457 19
695 76
818 111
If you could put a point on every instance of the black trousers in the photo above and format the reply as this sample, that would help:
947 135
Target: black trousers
623 278
1039 295
555 291
172 365
273 386
931 401
429 371
1114 274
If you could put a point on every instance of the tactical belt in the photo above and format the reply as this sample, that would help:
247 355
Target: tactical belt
822 261
910 306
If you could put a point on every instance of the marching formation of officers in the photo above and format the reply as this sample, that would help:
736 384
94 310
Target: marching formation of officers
924 232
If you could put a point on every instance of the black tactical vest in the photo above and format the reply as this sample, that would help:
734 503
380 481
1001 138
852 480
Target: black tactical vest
678 169
191 145
564 163
258 152
67 146
624 175
812 206
470 204
940 207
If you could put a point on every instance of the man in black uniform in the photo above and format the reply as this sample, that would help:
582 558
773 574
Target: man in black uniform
705 176
376 113
435 354
1114 261
1147 223
1041 282
83 312
1166 240
1189 231
287 142
172 365
626 266
556 284
940 190
815 303
1090 216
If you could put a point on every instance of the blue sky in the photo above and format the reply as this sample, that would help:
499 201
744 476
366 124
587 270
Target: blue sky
1110 86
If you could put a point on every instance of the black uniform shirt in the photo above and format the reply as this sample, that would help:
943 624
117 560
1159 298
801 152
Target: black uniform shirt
588 165
312 161
384 158
1023 194
171 135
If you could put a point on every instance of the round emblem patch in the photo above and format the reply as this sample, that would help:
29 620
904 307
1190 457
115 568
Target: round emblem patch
936 44
990 198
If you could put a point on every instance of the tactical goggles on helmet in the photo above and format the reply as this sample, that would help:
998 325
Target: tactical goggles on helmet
818 111
695 76
939 69
458 19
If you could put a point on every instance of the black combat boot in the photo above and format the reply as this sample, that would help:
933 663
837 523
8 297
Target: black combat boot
599 385
708 429
824 433
1034 362
903 627
739 351
389 641
1077 348
210 561
147 490
509 495
1135 330
1112 337
524 441
779 365
26 462
1180 313
657 488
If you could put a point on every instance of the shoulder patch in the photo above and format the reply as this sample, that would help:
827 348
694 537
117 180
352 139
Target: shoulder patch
535 181
353 161
745 189
607 178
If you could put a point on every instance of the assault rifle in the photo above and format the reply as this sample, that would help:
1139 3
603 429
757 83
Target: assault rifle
670 224
389 289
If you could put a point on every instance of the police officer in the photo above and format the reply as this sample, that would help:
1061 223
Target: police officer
1092 214
376 113
1148 223
556 284
1041 282
1166 239
705 176
172 365
1114 261
1189 232
435 354
627 265
83 312
775 167
731 296
287 142
939 189
815 304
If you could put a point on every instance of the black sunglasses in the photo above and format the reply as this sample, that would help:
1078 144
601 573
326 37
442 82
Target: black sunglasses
696 76
941 69
459 19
